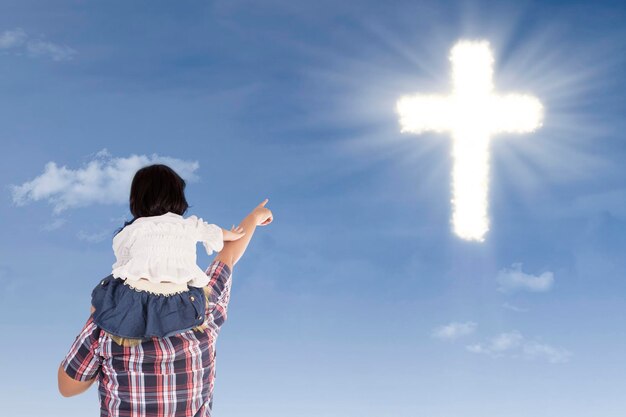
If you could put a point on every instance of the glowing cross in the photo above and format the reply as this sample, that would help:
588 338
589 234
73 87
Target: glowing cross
472 114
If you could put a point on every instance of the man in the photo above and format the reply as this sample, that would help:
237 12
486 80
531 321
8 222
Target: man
172 376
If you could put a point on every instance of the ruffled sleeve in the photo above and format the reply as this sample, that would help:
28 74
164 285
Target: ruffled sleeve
211 235
121 246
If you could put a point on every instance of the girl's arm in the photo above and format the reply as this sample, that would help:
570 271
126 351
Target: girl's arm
234 234
233 250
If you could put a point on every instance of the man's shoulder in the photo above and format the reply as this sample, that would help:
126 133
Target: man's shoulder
177 345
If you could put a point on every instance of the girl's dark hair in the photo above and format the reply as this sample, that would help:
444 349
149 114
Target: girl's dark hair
156 189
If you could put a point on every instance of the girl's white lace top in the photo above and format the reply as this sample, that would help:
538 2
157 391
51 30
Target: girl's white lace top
163 248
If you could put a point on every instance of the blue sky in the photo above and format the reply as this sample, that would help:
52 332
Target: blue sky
357 300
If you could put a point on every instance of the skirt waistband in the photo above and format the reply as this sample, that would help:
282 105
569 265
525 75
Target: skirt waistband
161 288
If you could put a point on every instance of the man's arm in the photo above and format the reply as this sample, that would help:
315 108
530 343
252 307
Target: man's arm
69 387
80 367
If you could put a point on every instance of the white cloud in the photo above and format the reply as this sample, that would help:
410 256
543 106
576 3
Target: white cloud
103 180
514 279
514 344
18 41
454 330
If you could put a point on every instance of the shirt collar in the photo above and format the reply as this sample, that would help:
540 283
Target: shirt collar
168 214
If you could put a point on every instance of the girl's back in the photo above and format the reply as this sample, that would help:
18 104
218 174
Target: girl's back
163 249
156 288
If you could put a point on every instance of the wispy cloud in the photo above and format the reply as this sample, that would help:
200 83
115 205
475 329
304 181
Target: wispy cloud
12 39
94 237
454 330
513 344
8 283
552 354
103 180
19 42
514 308
499 344
514 279
54 225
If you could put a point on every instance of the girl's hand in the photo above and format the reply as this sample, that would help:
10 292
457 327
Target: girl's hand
233 234
262 214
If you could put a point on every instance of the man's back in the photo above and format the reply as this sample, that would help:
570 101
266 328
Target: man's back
172 376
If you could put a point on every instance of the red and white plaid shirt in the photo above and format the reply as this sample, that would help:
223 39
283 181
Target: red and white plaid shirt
161 377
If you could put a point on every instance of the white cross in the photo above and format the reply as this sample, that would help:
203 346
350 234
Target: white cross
472 114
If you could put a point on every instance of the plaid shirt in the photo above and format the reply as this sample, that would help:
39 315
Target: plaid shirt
161 377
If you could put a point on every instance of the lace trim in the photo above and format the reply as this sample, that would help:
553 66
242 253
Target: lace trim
163 294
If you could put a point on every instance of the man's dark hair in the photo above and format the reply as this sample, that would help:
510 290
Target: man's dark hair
156 189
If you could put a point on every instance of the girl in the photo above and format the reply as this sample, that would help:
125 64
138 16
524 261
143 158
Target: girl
155 287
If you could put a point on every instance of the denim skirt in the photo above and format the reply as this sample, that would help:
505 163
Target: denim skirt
124 311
